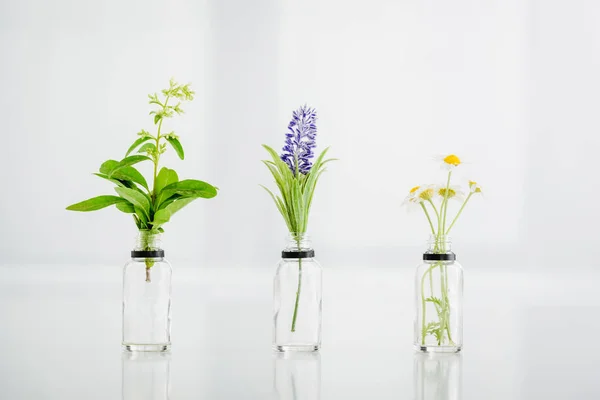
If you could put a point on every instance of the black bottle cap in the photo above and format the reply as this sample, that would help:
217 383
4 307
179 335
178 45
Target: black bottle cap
147 253
439 257
297 254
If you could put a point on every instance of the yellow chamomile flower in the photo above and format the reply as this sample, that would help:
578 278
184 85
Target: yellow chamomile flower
449 162
454 192
474 187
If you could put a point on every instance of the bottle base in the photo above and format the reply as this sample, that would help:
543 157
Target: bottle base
147 347
438 349
295 348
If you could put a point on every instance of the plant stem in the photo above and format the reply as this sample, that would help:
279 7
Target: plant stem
428 218
158 150
459 212
298 290
445 203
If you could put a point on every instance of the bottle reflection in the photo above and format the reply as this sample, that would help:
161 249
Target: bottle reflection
438 376
146 376
297 376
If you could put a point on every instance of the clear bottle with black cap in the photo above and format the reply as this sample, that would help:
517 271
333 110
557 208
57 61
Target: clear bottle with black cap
438 323
147 296
297 296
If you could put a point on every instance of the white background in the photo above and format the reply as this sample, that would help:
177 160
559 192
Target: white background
511 86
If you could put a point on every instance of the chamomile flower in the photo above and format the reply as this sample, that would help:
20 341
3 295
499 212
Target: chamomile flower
474 187
449 162
416 196
425 193
453 192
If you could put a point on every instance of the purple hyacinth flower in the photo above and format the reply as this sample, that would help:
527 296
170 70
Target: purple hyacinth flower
300 140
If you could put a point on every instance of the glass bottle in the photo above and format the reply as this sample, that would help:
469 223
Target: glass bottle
439 299
147 296
297 297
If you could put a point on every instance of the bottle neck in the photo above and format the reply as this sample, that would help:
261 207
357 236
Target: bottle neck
298 242
148 241
439 244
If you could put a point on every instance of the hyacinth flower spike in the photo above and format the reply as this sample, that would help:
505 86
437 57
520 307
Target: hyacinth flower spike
296 176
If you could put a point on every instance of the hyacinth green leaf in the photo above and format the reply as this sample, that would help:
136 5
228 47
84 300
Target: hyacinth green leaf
164 178
96 203
176 145
136 198
126 207
137 143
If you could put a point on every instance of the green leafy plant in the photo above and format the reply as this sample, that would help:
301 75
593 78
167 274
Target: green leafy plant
151 207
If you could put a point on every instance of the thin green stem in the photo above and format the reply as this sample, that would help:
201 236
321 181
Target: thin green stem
428 218
298 290
459 212
437 214
157 157
445 204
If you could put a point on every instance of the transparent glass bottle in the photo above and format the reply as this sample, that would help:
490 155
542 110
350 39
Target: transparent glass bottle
438 376
297 298
147 296
439 299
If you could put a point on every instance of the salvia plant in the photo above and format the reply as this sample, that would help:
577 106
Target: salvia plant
434 201
153 205
296 177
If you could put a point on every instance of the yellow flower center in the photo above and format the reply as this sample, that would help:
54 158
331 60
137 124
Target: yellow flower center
471 183
414 189
477 189
452 160
426 194
451 192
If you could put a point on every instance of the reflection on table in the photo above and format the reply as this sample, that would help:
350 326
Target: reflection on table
297 376
438 376
146 376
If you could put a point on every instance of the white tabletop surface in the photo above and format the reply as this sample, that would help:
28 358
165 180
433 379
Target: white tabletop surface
528 335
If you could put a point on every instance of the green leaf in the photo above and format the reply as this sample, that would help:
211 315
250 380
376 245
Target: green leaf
130 174
164 215
164 178
188 188
142 217
161 217
127 161
115 181
126 207
176 145
108 166
96 203
147 148
136 198
179 204
137 143
157 118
